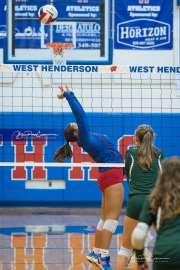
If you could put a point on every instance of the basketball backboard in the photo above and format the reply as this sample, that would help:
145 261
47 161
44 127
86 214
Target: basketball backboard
87 24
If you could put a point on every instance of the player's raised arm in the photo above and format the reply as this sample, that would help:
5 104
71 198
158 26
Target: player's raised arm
101 150
78 112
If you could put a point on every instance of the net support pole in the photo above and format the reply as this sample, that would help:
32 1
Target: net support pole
13 31
102 25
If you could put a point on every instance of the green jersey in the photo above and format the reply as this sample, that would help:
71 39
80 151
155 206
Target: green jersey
167 246
141 181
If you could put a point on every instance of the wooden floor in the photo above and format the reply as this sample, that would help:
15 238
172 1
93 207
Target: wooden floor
50 241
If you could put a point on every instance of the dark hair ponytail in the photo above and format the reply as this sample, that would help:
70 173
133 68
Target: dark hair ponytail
146 150
63 152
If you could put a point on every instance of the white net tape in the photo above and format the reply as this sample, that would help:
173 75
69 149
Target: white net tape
63 164
58 182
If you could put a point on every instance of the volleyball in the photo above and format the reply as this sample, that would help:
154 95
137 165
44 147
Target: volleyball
47 14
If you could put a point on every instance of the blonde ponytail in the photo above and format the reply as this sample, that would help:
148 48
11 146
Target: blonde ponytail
146 150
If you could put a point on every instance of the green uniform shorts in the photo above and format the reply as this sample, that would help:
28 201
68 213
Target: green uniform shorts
165 266
135 204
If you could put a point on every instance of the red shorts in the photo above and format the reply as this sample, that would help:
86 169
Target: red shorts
110 177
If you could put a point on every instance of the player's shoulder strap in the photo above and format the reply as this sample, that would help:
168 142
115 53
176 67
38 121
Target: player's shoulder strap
131 153
157 151
132 150
159 156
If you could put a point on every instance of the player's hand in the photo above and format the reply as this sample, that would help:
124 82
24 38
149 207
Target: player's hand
62 90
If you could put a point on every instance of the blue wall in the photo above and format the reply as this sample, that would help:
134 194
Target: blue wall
25 126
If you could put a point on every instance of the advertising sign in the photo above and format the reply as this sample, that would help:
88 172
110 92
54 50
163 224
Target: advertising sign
143 24
85 15
2 23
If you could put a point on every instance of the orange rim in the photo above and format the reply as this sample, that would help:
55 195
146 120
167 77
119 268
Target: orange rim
58 47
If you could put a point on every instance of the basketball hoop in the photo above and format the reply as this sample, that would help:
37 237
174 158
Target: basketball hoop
58 50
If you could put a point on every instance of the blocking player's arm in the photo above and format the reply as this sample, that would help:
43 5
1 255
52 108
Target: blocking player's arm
79 114
146 219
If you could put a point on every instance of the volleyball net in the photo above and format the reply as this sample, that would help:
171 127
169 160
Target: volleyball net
33 119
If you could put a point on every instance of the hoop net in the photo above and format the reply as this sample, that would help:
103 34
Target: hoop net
58 51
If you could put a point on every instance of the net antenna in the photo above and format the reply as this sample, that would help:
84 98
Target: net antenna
58 51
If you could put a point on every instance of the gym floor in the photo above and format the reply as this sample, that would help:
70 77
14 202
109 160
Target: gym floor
50 239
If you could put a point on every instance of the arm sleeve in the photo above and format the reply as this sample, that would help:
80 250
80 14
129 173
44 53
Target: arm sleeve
79 115
128 161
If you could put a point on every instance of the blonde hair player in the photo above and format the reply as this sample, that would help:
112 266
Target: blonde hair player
162 208
99 147
142 164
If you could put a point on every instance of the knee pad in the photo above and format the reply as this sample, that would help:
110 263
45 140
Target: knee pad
139 235
125 252
100 225
110 225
